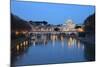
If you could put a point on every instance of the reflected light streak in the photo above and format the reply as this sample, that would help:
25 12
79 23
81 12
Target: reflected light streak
78 44
71 42
34 43
24 43
53 40
62 41
21 44
17 47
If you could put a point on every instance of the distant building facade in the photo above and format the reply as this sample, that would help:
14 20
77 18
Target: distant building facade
68 26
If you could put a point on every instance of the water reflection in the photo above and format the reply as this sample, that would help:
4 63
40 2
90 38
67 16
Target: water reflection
70 42
49 48
17 47
62 41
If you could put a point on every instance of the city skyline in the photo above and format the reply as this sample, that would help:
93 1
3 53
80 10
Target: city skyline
51 33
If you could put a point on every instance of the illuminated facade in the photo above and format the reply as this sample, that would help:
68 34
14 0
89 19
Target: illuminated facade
69 26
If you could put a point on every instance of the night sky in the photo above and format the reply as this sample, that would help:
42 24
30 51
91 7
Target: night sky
50 12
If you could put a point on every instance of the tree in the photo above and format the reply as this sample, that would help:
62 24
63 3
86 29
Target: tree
90 23
19 24
56 29
45 22
76 27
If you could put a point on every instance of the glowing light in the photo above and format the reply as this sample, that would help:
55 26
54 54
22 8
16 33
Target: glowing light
17 33
17 47
71 42
80 30
21 44
24 43
24 32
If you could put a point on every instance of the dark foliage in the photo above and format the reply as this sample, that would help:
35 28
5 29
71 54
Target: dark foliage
19 24
56 29
90 23
36 23
76 27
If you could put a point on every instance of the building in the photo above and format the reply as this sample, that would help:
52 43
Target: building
68 26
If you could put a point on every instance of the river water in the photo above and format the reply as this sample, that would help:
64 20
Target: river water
48 49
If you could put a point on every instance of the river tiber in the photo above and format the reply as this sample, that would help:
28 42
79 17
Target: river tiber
45 44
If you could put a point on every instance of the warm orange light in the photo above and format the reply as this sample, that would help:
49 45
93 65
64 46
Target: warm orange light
80 30
17 32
